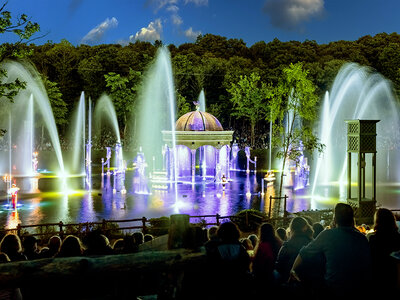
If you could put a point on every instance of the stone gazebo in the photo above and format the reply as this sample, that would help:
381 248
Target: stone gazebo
195 130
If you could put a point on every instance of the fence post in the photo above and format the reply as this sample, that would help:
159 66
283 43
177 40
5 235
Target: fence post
60 224
284 207
217 216
269 208
178 231
144 220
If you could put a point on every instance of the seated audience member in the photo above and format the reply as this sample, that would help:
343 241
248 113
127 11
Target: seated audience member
147 238
254 239
346 257
229 264
11 245
138 239
282 233
248 246
118 246
70 247
265 256
53 246
383 241
97 244
30 247
300 234
212 233
213 239
317 228
129 244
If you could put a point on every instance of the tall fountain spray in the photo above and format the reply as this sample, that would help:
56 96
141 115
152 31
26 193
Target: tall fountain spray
22 123
357 93
78 149
202 107
157 112
88 157
202 101
105 116
157 108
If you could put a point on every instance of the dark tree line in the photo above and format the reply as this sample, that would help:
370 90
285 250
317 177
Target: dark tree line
210 63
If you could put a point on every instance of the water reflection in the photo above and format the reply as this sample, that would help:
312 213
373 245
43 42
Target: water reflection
12 220
204 197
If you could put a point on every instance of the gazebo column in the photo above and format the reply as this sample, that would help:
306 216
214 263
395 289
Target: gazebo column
228 151
203 162
193 163
216 162
171 164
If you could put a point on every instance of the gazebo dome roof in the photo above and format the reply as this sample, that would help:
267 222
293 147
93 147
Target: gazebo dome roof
198 121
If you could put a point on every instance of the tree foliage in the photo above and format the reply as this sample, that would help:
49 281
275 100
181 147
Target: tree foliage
123 91
211 63
23 30
59 107
292 111
249 98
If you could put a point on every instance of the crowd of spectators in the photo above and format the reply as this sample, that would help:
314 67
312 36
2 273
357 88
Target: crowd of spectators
304 260
308 260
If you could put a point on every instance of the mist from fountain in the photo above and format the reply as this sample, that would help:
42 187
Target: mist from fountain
78 148
202 101
105 115
157 109
357 93
22 123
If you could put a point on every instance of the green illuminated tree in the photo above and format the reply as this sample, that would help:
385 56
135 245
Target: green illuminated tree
249 98
123 92
293 110
23 30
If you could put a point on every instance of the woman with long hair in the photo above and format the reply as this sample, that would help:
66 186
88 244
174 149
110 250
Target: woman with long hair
266 253
384 240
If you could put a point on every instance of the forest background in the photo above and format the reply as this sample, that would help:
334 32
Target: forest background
211 63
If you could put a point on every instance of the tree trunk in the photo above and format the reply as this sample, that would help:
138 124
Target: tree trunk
253 125
282 171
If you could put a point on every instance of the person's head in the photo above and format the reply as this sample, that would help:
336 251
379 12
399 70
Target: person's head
254 239
29 244
129 243
247 243
317 227
138 237
148 237
228 232
282 233
266 232
298 226
54 243
118 244
11 244
385 220
212 232
343 215
71 246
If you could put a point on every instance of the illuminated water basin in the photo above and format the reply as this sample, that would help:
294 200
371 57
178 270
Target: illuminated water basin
201 198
